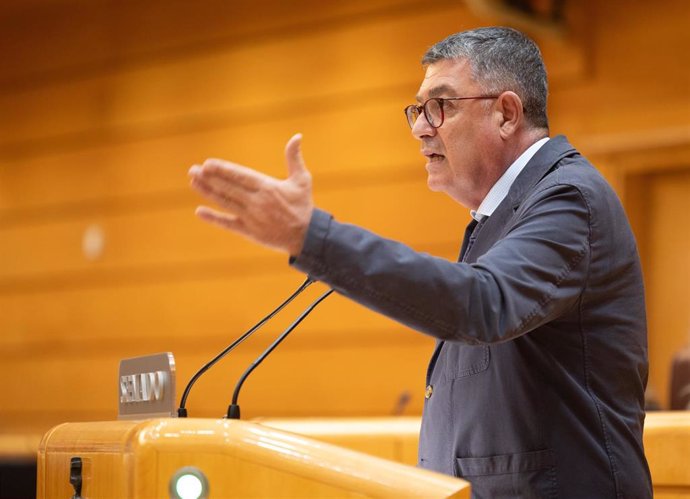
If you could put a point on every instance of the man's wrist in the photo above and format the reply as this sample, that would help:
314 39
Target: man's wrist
312 245
297 242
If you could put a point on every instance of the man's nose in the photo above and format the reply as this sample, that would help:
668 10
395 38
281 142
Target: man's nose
422 128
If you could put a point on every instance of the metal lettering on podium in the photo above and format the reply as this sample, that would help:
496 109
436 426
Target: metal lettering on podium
147 387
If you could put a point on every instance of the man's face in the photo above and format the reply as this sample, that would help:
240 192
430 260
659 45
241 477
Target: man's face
461 154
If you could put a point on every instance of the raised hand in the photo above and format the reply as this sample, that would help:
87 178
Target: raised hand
264 209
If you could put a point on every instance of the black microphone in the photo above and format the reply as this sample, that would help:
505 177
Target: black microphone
182 411
234 408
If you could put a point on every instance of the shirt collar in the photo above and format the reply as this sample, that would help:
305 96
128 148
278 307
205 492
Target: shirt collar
500 189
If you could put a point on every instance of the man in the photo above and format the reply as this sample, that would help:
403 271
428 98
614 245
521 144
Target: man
536 386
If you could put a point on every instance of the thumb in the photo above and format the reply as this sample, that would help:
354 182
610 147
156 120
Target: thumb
293 157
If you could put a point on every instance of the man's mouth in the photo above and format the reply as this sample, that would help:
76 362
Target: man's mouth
433 157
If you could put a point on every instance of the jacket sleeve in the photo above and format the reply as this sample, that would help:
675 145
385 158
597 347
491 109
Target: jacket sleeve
530 276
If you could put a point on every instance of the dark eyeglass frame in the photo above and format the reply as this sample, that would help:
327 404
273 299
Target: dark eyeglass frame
421 109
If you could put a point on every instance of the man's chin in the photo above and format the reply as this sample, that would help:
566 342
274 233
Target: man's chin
434 184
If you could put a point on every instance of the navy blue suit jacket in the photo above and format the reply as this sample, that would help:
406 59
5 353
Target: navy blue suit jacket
541 362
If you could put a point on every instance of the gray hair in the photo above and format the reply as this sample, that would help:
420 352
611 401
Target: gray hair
501 59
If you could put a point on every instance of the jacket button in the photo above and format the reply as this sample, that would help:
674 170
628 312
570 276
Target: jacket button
428 392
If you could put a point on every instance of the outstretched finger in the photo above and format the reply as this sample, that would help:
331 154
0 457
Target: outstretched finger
232 173
224 220
232 198
293 157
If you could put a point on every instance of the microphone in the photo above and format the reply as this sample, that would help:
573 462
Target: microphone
182 411
234 408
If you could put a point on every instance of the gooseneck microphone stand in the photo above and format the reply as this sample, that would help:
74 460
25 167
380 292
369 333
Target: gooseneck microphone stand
234 408
182 411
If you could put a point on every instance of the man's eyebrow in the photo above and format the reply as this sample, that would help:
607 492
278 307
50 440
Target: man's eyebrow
437 91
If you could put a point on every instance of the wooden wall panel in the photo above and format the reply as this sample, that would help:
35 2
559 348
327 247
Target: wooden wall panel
63 183
174 236
239 82
313 379
144 312
667 249
91 36
256 79
639 74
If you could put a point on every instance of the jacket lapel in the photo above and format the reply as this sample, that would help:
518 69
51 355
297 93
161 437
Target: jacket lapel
539 166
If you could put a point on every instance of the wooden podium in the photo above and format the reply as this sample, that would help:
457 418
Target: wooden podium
237 459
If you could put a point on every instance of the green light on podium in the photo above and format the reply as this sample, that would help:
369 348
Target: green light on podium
188 483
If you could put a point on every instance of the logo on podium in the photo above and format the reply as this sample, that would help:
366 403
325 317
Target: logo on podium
147 387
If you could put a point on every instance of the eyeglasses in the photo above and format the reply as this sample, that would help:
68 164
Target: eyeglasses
433 109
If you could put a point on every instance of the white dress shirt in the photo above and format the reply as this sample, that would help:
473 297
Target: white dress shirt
500 189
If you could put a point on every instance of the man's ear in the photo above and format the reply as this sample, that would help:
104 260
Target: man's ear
510 113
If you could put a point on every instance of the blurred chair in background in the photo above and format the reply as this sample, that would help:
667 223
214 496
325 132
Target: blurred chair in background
680 380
